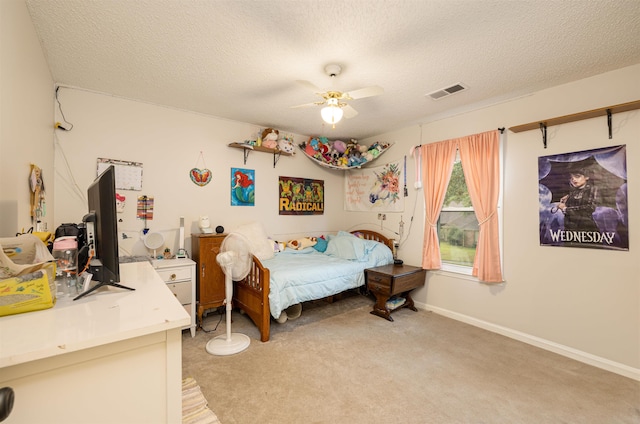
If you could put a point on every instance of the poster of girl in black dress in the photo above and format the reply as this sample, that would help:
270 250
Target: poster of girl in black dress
583 199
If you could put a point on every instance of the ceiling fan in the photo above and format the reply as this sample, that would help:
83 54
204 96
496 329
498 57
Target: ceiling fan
335 100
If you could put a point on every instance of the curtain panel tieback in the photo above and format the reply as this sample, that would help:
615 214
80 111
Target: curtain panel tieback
487 218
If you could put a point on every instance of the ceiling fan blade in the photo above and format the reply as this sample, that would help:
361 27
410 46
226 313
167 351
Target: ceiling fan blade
349 112
365 92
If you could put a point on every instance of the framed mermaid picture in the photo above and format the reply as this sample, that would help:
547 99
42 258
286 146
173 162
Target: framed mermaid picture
243 187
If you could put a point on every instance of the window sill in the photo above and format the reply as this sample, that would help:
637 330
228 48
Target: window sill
457 271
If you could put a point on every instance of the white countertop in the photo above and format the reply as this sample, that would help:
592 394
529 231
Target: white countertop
106 316
169 263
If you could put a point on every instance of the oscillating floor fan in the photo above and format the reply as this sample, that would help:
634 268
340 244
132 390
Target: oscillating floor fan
235 260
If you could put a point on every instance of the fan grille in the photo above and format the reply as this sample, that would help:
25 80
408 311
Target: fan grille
240 245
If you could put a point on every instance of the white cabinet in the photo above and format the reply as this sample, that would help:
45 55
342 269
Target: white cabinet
180 274
114 356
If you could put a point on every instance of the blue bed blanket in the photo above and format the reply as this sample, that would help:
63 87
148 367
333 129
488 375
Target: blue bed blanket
302 275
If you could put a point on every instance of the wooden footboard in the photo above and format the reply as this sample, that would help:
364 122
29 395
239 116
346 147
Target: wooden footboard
252 293
252 296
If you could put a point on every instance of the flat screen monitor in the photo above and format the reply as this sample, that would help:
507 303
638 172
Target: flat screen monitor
102 232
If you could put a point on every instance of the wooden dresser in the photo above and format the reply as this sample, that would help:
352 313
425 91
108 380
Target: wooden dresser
210 292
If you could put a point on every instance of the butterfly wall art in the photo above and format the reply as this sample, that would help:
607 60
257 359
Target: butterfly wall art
200 177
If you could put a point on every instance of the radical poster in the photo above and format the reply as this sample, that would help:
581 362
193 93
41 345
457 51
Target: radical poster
300 196
583 199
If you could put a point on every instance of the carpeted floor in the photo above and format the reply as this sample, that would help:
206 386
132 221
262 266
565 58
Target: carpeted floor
337 363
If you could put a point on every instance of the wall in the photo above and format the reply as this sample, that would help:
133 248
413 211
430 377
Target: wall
168 142
26 118
582 303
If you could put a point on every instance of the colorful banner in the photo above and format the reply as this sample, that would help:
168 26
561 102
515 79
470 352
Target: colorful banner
144 208
300 196
374 189
583 199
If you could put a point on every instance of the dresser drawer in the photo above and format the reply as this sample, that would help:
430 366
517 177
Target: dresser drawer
175 274
379 279
379 288
182 291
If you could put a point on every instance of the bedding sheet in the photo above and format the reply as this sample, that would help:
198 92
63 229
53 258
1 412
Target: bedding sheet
302 275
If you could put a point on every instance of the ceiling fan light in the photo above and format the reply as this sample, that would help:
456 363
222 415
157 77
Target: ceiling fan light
331 114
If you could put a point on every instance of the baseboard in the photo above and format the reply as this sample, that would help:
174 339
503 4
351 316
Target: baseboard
587 358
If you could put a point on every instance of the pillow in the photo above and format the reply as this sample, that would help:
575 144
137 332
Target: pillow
261 246
378 253
346 246
321 244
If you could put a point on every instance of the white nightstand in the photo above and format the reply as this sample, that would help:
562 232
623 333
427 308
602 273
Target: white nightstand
180 276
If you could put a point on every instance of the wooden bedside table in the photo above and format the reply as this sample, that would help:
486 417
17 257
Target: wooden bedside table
390 280
210 288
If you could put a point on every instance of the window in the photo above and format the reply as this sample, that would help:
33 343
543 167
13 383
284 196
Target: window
458 228
481 156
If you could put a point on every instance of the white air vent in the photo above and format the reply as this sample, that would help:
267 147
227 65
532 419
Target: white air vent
444 92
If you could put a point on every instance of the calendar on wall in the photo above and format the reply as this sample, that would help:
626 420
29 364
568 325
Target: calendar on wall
128 174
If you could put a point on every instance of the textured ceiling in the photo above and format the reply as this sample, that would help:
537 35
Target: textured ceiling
240 59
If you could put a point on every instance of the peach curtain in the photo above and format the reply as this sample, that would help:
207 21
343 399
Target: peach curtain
480 158
437 164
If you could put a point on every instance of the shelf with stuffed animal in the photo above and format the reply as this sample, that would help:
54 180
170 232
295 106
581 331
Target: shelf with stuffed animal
268 142
338 154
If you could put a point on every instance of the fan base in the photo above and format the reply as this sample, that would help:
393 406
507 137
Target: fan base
221 345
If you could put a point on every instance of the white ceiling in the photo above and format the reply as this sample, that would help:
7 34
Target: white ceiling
240 59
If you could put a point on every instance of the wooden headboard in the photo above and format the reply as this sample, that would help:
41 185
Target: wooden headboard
372 235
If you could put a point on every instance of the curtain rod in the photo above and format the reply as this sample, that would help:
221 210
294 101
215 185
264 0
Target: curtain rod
501 129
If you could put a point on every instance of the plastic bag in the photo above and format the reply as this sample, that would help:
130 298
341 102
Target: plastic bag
27 275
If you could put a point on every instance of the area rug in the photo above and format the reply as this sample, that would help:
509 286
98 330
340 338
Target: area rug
195 409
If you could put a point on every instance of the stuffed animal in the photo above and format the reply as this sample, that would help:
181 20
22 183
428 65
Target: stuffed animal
325 152
356 159
321 243
285 144
309 149
270 138
301 243
278 246
340 146
334 155
375 149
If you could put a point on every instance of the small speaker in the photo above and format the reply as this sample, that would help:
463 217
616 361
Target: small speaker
219 229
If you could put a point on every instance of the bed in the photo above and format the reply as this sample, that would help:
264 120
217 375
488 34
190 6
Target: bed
292 277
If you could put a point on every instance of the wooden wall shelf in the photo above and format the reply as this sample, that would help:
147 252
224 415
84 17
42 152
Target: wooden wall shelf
603 111
248 148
